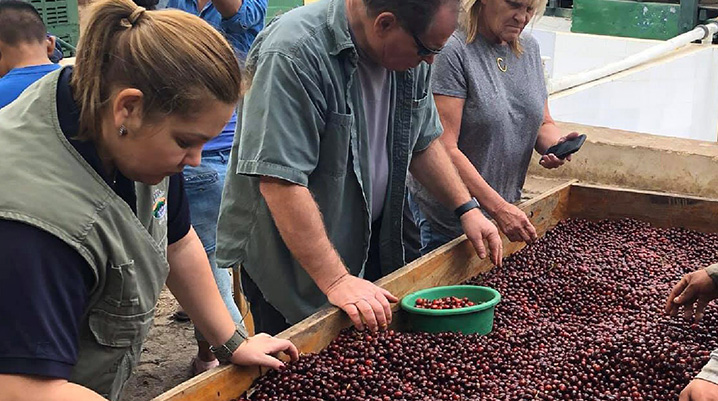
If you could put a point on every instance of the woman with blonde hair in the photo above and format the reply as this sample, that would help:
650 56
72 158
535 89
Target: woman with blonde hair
489 88
93 215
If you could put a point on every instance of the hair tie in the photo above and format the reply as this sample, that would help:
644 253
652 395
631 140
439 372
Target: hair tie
136 14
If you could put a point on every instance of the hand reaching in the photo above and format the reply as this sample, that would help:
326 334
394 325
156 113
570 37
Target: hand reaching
700 390
514 223
694 288
478 228
361 298
259 350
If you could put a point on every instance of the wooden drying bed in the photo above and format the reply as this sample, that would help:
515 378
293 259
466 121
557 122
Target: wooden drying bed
456 262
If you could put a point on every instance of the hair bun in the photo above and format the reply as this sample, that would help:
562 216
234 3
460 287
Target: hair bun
136 14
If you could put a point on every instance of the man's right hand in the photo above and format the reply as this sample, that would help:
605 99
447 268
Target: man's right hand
361 298
693 287
514 223
700 390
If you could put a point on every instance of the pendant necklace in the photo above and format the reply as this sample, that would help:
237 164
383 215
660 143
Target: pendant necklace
501 62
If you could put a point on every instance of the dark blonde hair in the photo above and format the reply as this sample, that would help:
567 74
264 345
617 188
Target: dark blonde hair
469 21
176 59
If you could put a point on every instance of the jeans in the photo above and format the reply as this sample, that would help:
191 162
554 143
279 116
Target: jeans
267 319
203 185
430 238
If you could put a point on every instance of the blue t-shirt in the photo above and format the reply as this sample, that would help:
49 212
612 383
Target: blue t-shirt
18 79
240 31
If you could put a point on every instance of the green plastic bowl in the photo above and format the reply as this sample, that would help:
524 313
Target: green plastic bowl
477 319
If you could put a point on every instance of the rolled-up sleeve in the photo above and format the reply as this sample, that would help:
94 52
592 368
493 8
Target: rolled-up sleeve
712 271
429 124
710 370
449 77
282 121
251 13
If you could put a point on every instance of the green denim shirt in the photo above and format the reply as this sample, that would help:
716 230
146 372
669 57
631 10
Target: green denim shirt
303 121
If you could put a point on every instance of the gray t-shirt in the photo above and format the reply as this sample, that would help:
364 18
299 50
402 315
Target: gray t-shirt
375 82
501 117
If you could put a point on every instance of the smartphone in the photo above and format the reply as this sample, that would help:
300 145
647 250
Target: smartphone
568 147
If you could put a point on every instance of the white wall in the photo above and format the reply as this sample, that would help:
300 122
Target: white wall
677 98
571 53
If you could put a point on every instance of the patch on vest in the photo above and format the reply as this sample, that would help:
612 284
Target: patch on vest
159 204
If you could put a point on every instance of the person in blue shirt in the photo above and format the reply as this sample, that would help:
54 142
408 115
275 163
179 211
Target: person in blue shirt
25 48
239 21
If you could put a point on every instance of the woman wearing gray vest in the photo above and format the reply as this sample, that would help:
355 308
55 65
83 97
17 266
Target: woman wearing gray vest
93 215
489 89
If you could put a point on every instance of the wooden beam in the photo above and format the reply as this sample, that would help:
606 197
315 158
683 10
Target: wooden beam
660 209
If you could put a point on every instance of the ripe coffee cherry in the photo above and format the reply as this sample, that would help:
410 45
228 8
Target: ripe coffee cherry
443 303
581 318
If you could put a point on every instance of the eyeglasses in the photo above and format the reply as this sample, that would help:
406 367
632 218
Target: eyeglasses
422 50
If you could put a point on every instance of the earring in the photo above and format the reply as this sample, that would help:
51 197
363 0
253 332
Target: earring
123 130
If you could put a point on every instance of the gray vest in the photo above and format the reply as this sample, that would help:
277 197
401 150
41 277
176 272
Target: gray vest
47 184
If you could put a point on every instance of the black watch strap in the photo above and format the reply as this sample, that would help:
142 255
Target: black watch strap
472 204
224 352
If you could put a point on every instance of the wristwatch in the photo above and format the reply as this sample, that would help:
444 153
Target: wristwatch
472 204
224 352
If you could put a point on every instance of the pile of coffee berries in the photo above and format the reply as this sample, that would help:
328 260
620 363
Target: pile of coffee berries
443 303
581 318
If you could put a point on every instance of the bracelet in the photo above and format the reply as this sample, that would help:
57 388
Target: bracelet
471 204
224 352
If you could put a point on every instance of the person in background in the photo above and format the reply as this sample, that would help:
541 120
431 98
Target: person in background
337 111
693 293
489 89
25 49
94 219
239 21
57 53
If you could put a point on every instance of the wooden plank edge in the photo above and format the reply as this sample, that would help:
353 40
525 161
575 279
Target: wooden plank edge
332 318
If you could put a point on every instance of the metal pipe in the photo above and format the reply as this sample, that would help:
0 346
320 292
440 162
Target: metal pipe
701 32
64 44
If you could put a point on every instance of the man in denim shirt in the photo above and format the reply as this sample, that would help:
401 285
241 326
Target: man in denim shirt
239 20
338 110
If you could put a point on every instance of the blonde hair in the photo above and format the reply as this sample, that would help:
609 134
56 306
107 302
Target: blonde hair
176 59
469 20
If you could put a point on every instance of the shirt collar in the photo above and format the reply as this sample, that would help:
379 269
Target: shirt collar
339 27
33 69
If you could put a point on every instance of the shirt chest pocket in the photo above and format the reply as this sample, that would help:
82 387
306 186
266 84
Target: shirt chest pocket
420 112
335 145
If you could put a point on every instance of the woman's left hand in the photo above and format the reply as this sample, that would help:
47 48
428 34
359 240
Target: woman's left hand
260 350
550 160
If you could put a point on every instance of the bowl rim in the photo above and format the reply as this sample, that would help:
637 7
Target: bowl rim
407 306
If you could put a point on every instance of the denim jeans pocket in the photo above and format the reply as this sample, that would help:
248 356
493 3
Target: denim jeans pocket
200 178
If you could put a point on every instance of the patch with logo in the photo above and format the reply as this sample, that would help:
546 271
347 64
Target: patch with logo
159 204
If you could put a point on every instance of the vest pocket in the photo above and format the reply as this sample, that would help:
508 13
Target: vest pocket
121 286
119 331
116 350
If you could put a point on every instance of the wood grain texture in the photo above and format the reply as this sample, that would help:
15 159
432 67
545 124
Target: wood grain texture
660 209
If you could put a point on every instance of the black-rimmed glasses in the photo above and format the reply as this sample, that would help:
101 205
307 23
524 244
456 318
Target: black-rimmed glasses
422 50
